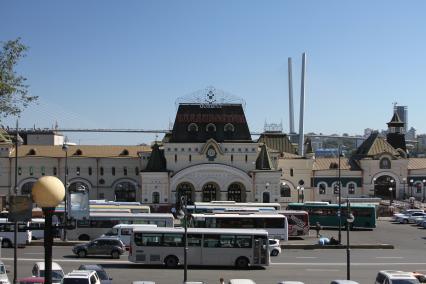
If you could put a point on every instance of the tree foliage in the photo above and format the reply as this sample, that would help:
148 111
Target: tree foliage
13 90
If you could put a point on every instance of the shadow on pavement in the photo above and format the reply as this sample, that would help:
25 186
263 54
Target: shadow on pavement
193 267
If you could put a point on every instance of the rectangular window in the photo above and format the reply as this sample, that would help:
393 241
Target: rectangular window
243 241
148 239
43 171
175 158
113 171
190 158
211 241
125 171
77 171
90 171
136 171
31 171
101 171
55 171
351 189
173 240
194 240
19 171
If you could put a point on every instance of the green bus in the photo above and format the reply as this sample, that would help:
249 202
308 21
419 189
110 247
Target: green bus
327 214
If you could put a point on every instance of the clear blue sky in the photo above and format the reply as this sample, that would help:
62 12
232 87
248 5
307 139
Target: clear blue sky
122 64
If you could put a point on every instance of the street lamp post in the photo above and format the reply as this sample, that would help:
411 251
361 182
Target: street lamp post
349 220
374 187
340 197
183 214
411 187
64 223
298 194
424 181
48 192
404 180
390 191
18 141
302 189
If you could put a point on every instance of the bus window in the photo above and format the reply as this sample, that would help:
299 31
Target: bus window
126 231
211 241
227 241
173 240
243 241
151 240
274 223
194 240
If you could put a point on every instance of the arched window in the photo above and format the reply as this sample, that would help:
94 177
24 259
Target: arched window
125 191
185 189
322 188
192 128
125 152
229 127
155 197
285 190
266 197
31 171
385 163
418 186
351 188
335 188
236 192
27 188
78 152
210 191
211 127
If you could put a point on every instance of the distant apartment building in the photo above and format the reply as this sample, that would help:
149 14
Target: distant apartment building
402 112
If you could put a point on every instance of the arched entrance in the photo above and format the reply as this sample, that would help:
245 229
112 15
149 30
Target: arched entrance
210 192
125 191
236 192
27 188
185 189
382 186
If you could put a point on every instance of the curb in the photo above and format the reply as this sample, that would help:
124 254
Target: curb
56 243
355 246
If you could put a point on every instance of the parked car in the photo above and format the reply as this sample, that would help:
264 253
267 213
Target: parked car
343 282
274 247
101 246
100 271
241 281
143 282
405 212
31 280
412 217
57 272
81 277
421 277
390 276
419 220
3 274
290 282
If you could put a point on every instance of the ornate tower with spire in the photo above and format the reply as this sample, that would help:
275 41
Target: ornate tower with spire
395 135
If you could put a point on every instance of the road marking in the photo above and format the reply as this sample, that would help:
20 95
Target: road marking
390 257
322 270
344 263
306 257
89 260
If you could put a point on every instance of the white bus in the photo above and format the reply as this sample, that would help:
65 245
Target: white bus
222 247
275 206
227 209
37 228
124 231
100 223
275 224
7 230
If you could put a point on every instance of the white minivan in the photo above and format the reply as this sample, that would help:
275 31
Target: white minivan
395 276
124 231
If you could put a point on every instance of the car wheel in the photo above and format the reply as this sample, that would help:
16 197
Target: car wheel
115 254
6 243
171 261
274 252
242 262
405 221
82 253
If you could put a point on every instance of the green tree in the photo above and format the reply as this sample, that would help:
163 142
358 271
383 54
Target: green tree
13 90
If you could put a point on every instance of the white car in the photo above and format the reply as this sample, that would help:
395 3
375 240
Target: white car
405 219
241 281
419 220
413 217
57 272
405 212
3 274
274 247
81 277
391 276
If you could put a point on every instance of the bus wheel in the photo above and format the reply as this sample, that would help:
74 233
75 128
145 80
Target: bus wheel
82 253
84 238
242 262
171 261
6 243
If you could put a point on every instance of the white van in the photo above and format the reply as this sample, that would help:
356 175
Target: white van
124 231
392 276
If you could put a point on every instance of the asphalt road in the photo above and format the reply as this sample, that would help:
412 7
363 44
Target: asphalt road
310 266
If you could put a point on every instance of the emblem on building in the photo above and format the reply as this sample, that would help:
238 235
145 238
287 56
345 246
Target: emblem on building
211 154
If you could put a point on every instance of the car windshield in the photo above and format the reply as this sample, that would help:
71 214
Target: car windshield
405 281
112 232
56 274
75 281
102 274
2 270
